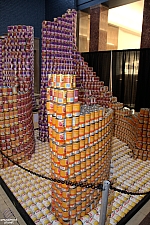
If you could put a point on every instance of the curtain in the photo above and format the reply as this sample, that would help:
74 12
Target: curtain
125 76
100 61
143 87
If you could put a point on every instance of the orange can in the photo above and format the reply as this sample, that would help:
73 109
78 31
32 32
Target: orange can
87 131
76 147
59 80
78 177
72 202
96 116
88 152
68 137
60 125
49 106
68 124
81 120
77 168
95 138
63 174
75 135
88 163
75 122
87 118
81 133
86 142
61 96
50 120
68 81
83 165
92 128
71 160
61 151
53 122
61 111
83 155
71 171
82 144
76 109
63 163
70 96
68 149
92 116
69 110
77 158
55 95
50 133
91 140
60 138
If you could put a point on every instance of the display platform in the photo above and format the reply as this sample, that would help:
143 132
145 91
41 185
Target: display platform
33 193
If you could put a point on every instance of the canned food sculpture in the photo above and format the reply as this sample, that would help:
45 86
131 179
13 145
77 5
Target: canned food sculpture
135 131
80 139
17 51
16 126
61 58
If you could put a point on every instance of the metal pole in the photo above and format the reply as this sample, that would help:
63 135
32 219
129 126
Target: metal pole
106 185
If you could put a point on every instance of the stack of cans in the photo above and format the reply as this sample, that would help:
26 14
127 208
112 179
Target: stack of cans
80 140
18 58
134 129
58 45
143 135
1 60
16 125
125 127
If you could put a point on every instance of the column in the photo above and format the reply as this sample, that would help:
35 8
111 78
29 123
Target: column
98 28
145 37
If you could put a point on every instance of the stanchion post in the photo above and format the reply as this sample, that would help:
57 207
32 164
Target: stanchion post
105 191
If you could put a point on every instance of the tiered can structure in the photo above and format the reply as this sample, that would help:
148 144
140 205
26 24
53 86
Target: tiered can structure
58 45
18 58
80 140
134 129
126 127
16 126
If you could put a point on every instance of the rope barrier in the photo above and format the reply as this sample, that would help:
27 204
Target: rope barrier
76 184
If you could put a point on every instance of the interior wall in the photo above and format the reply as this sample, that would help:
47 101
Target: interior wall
26 12
55 8
128 40
84 31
